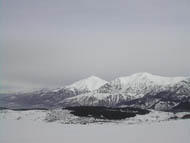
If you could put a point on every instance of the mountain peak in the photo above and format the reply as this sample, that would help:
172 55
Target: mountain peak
150 78
142 74
91 83
93 77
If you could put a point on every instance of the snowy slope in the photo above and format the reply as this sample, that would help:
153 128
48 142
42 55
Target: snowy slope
129 88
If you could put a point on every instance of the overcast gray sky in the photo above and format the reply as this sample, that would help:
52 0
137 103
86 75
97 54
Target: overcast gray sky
51 43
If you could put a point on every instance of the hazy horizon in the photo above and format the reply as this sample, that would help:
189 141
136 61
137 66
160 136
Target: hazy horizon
47 44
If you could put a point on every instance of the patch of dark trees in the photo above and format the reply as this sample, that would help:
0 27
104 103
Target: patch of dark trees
187 116
23 109
181 107
106 112
184 106
3 108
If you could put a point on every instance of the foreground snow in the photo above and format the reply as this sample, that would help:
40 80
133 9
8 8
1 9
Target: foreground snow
35 127
31 128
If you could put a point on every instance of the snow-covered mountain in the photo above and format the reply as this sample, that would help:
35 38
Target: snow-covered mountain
142 90
137 86
48 98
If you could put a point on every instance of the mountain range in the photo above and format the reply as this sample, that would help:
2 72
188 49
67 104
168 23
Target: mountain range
142 90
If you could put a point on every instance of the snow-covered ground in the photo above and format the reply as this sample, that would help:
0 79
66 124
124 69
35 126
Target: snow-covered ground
64 117
32 127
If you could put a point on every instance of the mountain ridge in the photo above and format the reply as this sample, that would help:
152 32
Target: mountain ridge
129 88
139 90
48 98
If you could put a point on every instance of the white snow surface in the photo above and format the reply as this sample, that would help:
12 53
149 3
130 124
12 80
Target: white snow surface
91 83
27 130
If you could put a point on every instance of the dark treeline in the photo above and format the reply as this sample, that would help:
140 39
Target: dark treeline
23 109
105 112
